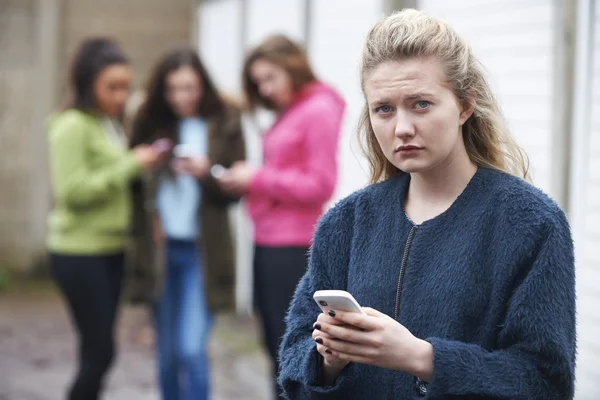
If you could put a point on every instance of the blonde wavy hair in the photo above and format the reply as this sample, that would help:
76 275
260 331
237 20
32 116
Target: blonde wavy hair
412 34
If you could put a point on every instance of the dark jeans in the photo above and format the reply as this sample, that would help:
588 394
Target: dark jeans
277 271
183 326
91 286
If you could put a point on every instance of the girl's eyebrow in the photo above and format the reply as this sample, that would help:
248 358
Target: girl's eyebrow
417 95
411 96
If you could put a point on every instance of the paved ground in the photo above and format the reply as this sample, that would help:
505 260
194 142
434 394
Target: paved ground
37 353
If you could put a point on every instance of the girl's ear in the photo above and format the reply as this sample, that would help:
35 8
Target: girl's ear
468 108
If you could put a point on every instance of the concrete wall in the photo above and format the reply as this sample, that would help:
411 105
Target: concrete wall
18 129
37 40
145 28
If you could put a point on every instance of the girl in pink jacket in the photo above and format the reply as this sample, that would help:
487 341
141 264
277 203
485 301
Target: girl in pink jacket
286 196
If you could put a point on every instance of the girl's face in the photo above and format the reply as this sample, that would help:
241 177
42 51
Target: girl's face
273 82
111 89
183 91
415 116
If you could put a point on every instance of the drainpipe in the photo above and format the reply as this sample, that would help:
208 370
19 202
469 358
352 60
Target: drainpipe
564 80
581 116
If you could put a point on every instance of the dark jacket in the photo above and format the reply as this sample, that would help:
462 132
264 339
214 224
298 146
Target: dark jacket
225 146
490 283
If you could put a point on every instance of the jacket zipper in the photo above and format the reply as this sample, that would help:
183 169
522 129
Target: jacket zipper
411 234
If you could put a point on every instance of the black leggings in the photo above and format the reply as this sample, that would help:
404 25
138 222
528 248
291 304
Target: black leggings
91 286
277 271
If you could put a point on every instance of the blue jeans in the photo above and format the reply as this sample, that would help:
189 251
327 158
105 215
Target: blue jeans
183 326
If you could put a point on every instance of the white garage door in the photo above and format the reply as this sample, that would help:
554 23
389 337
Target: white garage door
514 41
337 31
586 201
220 42
265 17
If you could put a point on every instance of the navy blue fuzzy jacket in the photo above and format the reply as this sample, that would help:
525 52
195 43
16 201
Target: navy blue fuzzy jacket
490 283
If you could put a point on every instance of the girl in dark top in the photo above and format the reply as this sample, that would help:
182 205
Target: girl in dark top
467 270
185 209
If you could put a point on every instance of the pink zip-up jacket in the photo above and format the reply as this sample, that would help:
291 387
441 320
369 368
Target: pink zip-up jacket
287 195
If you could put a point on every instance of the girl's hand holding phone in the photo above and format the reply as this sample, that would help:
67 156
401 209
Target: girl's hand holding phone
198 167
371 338
238 178
147 156
189 161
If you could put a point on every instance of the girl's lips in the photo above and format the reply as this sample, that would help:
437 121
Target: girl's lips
408 148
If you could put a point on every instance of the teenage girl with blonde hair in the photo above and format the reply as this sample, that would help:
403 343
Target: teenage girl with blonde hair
467 269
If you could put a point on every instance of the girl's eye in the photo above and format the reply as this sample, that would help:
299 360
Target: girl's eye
383 109
422 105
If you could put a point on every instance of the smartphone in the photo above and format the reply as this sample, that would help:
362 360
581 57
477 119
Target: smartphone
218 171
337 300
184 151
162 145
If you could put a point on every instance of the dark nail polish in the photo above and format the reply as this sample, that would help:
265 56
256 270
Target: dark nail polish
317 327
328 351
331 313
319 340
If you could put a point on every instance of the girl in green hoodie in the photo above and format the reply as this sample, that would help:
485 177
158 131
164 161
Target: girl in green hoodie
91 171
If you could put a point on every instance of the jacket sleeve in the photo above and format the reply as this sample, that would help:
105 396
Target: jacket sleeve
236 151
314 181
300 363
536 359
73 182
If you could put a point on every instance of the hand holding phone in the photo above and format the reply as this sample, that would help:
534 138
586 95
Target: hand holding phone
146 155
350 335
337 300
162 145
218 171
185 151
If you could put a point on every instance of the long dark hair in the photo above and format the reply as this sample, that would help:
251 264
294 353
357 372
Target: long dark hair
93 56
281 51
155 118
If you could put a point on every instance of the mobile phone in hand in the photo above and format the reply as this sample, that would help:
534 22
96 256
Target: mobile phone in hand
218 171
162 145
339 300
185 151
